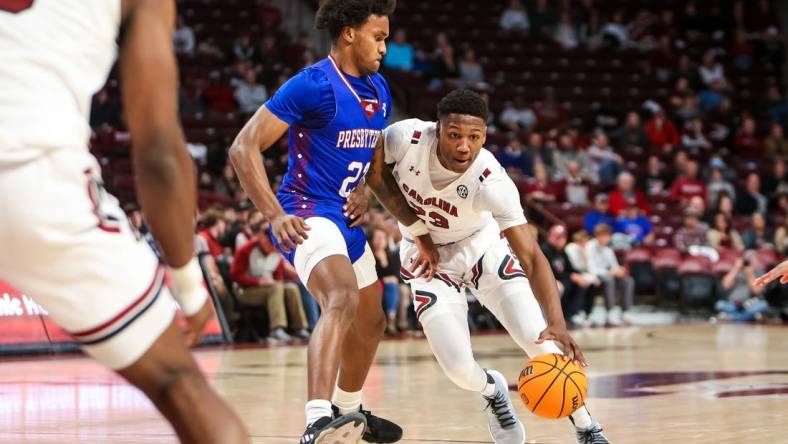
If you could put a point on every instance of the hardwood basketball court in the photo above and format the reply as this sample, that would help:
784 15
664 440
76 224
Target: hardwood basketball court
673 384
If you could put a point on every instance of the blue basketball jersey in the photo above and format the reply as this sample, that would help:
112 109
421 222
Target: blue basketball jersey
330 147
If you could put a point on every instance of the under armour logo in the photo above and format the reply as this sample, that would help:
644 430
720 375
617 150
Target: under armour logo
413 168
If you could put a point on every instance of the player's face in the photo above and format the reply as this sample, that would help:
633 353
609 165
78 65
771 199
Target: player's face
369 43
460 138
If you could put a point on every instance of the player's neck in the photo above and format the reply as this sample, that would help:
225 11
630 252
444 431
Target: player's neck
344 61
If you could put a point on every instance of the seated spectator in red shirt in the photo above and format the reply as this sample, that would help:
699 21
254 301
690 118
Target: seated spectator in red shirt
260 272
625 190
688 185
661 132
219 95
540 189
213 228
747 142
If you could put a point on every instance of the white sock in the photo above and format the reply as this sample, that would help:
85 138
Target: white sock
347 402
581 418
489 388
316 409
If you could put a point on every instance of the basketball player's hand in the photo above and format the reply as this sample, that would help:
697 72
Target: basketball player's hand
779 271
195 324
426 263
290 231
567 344
356 205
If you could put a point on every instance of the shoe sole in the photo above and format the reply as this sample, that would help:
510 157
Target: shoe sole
347 429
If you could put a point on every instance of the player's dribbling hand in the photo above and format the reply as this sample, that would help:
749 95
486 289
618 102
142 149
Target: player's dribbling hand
568 345
356 205
195 324
289 231
426 263
779 271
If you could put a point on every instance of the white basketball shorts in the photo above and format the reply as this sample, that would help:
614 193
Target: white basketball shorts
67 244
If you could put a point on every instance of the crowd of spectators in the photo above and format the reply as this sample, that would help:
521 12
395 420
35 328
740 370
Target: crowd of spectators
691 170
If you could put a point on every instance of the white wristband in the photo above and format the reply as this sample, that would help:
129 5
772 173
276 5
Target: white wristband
188 288
418 228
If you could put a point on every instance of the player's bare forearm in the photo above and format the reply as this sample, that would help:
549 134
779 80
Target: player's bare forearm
382 183
165 185
539 273
259 133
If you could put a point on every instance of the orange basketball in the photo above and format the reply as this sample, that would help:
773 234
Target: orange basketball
552 386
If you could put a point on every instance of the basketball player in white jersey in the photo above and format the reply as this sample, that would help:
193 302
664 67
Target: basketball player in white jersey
436 178
64 241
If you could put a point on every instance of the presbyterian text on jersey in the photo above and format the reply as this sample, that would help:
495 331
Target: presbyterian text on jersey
358 138
445 206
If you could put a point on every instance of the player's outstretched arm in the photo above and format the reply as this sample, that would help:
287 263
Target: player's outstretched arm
165 185
259 133
544 286
779 271
383 184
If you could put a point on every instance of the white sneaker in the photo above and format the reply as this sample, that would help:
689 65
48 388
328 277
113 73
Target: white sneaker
280 334
302 334
626 317
580 319
591 435
504 426
614 316
598 316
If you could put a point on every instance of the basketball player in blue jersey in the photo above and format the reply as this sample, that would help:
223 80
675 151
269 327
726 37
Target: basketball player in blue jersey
334 111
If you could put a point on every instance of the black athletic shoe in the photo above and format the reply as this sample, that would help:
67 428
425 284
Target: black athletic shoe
379 430
346 429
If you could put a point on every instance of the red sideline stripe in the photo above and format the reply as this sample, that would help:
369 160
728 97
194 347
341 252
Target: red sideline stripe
125 311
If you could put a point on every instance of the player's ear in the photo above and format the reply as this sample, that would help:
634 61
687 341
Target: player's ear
348 34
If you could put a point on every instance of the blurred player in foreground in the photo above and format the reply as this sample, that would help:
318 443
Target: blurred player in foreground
73 248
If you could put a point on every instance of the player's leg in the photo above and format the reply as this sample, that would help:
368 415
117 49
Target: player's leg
105 288
359 348
322 262
510 298
443 313
168 375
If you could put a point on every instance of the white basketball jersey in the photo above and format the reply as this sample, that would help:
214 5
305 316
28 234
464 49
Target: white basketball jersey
452 213
54 55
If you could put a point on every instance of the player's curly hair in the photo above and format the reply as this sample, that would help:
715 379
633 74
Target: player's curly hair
334 15
463 101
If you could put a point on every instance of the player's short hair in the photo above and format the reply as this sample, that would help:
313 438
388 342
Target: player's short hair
334 15
463 101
